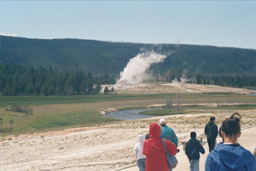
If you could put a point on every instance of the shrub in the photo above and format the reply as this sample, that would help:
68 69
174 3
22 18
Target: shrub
19 108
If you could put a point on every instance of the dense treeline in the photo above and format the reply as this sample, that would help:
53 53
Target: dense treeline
226 80
248 81
21 80
170 75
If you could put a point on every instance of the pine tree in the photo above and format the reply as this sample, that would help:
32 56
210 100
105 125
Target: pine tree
106 91
97 88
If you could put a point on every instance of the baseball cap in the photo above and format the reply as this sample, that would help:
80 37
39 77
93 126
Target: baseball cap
162 121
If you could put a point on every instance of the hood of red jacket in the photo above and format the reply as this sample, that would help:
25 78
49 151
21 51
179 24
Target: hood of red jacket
154 131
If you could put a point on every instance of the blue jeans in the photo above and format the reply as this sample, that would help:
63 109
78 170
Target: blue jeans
141 164
194 165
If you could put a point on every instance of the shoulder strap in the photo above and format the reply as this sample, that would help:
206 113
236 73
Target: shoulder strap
166 151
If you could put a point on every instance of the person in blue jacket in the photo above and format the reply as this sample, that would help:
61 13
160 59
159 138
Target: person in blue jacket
192 149
168 133
230 156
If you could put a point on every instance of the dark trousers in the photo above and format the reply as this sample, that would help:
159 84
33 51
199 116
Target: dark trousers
211 143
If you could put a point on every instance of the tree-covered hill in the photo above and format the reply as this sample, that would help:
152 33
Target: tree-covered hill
99 57
211 60
68 54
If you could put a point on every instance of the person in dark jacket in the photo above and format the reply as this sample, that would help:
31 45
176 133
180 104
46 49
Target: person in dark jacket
192 149
230 156
146 136
220 134
211 130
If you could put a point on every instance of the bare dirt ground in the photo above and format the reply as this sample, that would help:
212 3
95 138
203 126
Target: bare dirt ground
102 148
95 148
150 88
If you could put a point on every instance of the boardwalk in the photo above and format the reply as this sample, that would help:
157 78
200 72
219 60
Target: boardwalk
247 140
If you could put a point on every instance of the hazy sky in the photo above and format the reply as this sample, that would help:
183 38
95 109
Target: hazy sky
220 23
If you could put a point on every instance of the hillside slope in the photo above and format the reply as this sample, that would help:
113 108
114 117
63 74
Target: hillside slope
101 57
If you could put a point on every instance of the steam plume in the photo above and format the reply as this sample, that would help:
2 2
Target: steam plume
11 34
135 70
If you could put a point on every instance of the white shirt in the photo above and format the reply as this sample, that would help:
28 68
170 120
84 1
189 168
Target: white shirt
138 148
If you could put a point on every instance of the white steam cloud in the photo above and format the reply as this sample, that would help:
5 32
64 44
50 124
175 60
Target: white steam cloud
136 70
11 34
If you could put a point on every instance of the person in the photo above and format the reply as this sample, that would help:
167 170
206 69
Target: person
138 148
230 156
192 149
211 130
221 135
154 150
233 115
168 133
147 136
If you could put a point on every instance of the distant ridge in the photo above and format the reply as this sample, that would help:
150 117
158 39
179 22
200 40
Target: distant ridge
101 57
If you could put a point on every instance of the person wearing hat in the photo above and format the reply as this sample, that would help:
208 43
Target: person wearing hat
211 130
168 133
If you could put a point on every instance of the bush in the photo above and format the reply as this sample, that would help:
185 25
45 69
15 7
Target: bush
20 109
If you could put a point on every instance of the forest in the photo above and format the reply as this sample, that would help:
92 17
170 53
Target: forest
101 57
50 67
21 80
229 80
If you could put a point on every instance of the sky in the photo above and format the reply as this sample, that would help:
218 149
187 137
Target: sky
218 23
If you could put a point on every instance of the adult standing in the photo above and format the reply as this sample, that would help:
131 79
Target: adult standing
211 130
168 133
154 150
230 155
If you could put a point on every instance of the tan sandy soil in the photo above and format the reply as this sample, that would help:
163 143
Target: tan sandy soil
151 88
95 148
110 146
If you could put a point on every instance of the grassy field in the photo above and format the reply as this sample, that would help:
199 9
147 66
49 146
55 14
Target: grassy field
58 112
189 109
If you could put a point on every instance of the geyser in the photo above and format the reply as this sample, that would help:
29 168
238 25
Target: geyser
136 69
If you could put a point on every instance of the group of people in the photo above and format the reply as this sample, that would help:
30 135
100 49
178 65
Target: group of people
150 154
226 156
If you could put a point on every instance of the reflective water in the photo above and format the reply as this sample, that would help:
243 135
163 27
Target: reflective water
130 114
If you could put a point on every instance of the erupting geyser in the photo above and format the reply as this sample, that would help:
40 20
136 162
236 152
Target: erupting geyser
136 69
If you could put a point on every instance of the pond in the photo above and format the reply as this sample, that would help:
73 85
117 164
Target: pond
130 114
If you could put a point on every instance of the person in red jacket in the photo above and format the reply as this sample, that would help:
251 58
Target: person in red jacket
154 150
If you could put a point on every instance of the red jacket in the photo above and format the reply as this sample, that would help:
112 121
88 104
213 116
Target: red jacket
154 150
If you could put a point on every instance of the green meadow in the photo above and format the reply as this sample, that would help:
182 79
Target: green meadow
190 109
59 112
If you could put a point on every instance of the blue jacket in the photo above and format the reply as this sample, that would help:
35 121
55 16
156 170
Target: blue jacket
192 149
230 157
169 134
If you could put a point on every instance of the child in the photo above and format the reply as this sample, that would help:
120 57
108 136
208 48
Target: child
138 148
192 149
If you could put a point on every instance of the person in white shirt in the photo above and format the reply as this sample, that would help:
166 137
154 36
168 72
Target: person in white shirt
138 149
